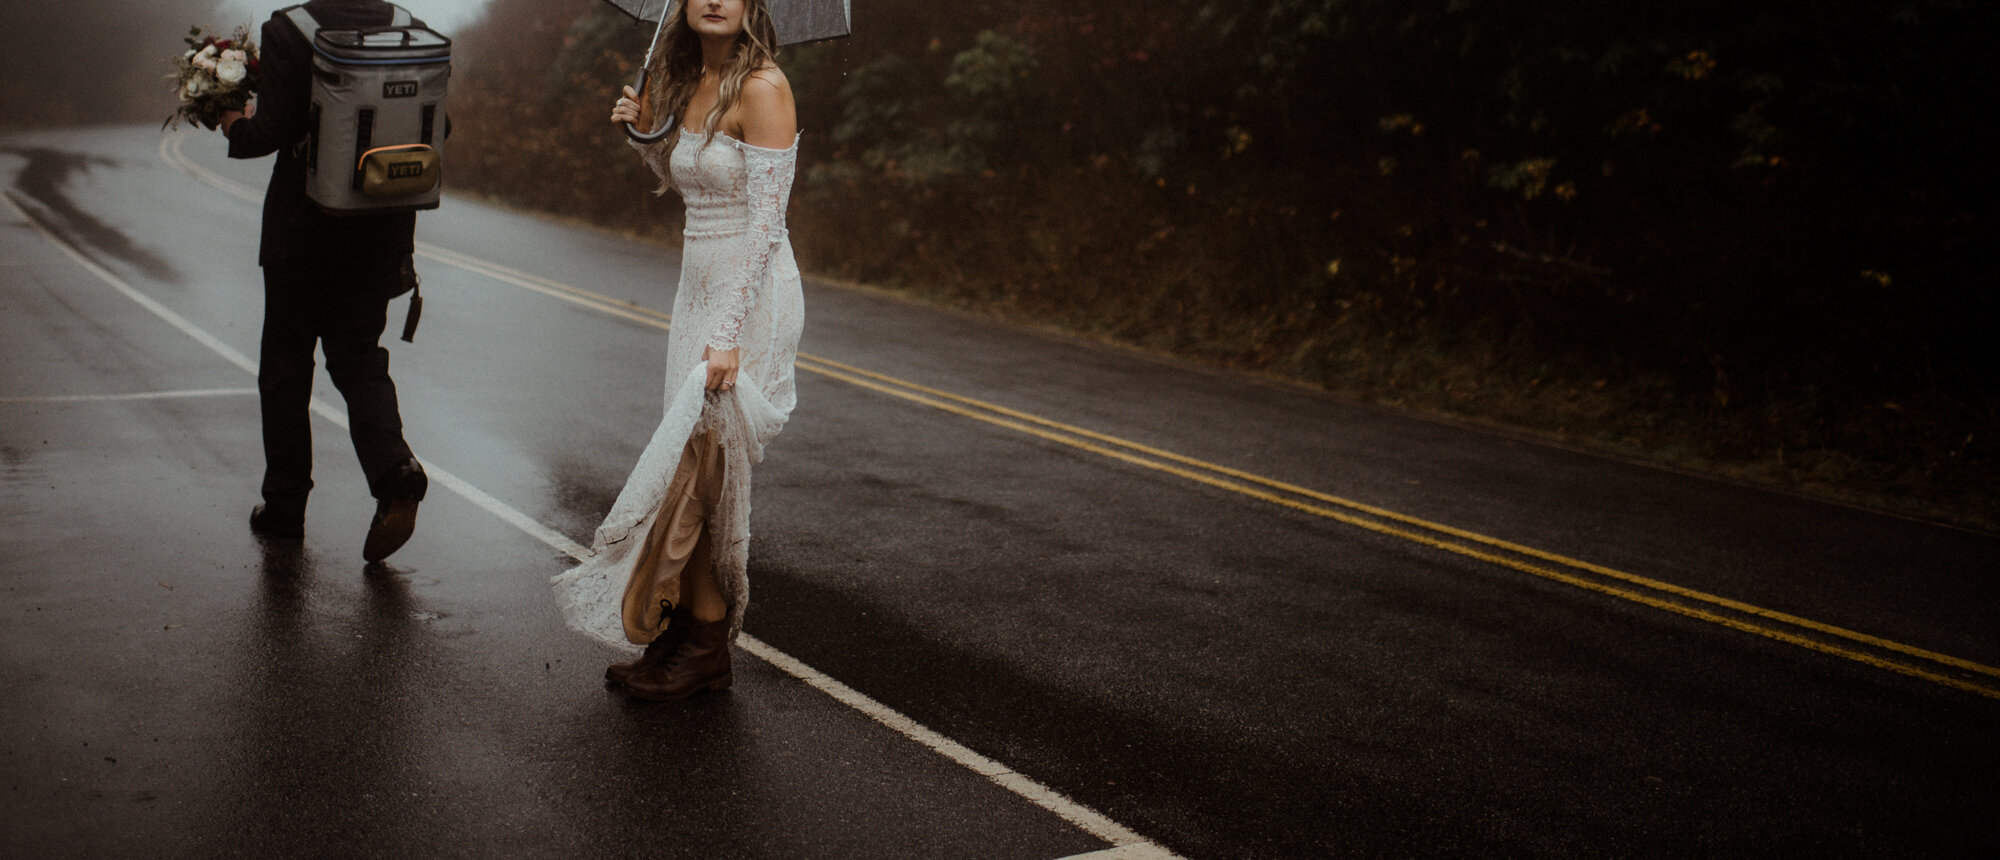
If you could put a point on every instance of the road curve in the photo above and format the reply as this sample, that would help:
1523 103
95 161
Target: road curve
1135 603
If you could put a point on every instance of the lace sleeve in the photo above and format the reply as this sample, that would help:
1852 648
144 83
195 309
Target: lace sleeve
654 155
768 184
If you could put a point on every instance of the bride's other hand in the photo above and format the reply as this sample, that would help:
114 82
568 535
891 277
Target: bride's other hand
627 110
721 367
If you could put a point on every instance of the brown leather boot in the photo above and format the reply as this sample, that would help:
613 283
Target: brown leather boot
679 622
702 663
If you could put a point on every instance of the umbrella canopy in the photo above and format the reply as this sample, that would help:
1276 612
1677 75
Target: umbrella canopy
797 21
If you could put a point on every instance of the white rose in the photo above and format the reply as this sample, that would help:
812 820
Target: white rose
234 54
230 71
194 88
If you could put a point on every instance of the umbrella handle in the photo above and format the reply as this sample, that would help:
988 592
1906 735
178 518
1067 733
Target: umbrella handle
632 131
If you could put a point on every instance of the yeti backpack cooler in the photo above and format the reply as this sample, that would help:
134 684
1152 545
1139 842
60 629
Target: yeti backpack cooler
375 131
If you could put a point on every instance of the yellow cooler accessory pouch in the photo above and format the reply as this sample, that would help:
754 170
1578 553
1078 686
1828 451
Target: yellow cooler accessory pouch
398 171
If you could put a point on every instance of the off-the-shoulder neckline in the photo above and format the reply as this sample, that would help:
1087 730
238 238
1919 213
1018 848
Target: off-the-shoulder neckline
745 144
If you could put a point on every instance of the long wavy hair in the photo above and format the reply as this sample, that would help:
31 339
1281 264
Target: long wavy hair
676 71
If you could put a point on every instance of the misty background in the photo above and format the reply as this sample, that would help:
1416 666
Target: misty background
1736 236
83 62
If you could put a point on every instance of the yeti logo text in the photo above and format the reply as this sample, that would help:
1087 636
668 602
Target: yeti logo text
399 89
405 169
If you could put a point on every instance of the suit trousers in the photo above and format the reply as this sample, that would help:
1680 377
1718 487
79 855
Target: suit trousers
342 308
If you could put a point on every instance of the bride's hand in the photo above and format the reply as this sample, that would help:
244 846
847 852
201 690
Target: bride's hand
627 109
721 367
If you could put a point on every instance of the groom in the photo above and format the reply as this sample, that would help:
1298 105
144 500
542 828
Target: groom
328 281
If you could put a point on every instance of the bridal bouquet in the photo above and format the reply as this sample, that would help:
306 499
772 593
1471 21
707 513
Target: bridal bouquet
214 76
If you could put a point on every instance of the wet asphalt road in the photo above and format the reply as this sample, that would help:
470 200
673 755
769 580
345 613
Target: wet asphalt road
1226 675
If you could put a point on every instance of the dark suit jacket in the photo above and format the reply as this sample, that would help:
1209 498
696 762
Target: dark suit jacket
295 230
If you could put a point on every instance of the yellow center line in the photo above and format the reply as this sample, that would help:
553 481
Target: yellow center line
1426 540
1475 537
618 307
1243 483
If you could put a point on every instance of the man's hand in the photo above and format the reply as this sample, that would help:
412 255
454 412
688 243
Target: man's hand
229 117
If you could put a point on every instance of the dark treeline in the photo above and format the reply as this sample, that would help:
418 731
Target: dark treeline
1747 236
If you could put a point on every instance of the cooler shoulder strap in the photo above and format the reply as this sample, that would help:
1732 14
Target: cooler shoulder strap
310 27
304 21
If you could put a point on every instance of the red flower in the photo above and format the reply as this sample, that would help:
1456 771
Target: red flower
223 45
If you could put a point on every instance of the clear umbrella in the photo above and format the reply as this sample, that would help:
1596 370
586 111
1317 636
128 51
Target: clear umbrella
797 22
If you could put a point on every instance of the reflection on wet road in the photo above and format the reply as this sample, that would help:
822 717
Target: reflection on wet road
1225 674
45 179
300 654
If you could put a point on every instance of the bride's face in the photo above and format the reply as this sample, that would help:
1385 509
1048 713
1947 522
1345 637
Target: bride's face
715 17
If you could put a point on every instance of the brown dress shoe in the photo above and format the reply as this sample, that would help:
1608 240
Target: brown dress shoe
701 663
396 512
679 622
395 520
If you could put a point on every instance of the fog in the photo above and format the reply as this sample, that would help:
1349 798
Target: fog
78 62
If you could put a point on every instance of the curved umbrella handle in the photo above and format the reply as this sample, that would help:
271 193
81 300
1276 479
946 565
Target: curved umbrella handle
656 135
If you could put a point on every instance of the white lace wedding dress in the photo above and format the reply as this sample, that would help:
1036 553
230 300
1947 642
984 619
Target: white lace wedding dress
739 288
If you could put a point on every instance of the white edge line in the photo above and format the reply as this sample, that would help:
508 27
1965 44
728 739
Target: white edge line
1089 820
1127 845
145 301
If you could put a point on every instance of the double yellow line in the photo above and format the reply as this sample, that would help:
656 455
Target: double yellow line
1943 669
1826 638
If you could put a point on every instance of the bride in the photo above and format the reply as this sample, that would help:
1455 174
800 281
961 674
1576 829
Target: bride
667 570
